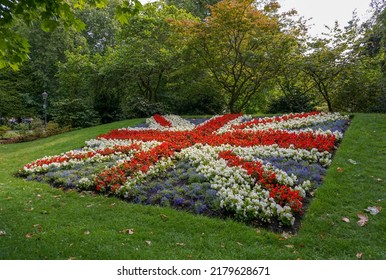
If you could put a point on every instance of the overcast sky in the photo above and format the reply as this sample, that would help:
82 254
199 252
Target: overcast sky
324 12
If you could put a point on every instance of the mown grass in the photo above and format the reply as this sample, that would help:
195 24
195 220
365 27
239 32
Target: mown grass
41 222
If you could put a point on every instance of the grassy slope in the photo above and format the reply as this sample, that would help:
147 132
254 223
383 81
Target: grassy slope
46 223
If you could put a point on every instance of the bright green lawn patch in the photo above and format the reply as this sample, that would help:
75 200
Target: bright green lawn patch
40 222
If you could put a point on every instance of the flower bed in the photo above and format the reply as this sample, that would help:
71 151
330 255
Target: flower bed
253 169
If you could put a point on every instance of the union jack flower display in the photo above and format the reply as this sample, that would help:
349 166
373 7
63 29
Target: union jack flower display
252 168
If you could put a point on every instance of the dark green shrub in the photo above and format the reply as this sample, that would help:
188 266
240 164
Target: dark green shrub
74 113
294 104
138 107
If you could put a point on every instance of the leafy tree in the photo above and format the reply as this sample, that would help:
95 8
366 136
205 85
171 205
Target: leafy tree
14 47
136 70
237 45
74 113
101 27
11 101
199 8
327 60
294 85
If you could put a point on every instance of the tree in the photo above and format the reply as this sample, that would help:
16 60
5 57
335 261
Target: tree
295 86
237 44
11 101
328 58
135 71
198 8
14 47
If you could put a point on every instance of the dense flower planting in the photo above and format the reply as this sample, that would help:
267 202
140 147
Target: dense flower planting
254 169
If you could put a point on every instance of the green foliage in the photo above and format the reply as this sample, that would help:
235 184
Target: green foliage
237 45
3 130
138 107
75 75
14 48
74 113
168 59
193 91
198 8
11 100
295 104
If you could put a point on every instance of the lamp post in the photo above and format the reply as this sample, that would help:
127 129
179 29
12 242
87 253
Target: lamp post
45 95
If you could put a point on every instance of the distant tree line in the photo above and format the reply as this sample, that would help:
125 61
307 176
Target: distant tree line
102 61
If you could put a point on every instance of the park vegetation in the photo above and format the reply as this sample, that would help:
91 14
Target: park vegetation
103 61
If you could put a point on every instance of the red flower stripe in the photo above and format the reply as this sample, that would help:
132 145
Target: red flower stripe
283 195
81 156
300 140
111 179
162 121
215 123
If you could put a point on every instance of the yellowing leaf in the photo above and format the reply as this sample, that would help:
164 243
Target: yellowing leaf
286 235
163 217
127 231
38 227
345 219
340 169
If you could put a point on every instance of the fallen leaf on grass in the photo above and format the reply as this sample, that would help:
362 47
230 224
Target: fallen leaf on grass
38 227
29 235
340 169
180 244
86 232
240 244
2 232
359 256
363 219
286 235
148 242
289 246
373 210
127 231
352 161
345 219
163 217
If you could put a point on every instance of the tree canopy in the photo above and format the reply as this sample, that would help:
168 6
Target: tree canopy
14 48
102 61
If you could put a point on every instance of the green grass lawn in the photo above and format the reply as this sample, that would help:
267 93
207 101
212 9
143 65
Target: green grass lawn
41 222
